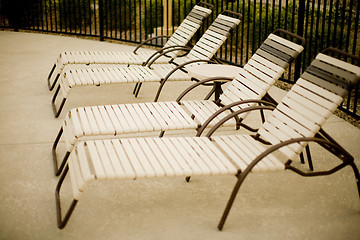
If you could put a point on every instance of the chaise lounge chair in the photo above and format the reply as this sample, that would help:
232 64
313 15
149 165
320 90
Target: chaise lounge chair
179 39
294 123
201 53
253 81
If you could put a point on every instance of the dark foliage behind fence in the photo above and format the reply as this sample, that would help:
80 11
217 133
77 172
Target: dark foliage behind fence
323 23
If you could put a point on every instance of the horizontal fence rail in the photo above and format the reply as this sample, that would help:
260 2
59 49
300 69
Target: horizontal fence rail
323 23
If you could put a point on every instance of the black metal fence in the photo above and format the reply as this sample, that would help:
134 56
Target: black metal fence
322 23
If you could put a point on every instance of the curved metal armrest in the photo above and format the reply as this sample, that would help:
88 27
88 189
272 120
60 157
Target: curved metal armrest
213 79
275 147
163 81
183 65
229 106
231 115
161 52
148 40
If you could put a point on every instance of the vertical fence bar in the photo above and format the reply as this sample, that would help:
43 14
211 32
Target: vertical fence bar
323 25
300 32
79 17
356 30
56 16
101 20
347 41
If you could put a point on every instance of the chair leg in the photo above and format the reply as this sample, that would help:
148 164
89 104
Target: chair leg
241 178
135 88
53 150
59 169
62 222
162 82
308 156
52 85
49 77
212 91
138 89
302 160
55 81
57 111
357 176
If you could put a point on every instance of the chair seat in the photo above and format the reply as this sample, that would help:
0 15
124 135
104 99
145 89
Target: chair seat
102 57
134 158
112 120
132 74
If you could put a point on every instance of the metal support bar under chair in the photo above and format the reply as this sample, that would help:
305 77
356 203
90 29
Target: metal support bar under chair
59 169
55 110
61 222
51 86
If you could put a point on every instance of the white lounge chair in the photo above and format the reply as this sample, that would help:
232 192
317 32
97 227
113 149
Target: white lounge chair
179 39
267 64
295 122
201 53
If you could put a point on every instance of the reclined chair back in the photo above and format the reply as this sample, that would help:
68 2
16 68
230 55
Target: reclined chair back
255 79
210 42
188 27
310 102
266 65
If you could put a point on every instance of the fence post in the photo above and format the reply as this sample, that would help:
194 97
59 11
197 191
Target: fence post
300 32
101 20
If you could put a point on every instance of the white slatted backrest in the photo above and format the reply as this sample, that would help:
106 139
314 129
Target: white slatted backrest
187 29
211 40
307 106
260 72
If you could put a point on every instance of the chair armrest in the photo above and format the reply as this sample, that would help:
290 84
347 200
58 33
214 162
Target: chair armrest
162 52
231 115
213 79
275 147
229 106
148 40
163 81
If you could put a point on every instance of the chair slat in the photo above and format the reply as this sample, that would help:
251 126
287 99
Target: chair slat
121 119
138 120
95 160
270 160
168 168
118 127
155 164
347 66
286 42
141 157
193 158
331 97
124 160
171 160
104 159
113 159
134 160
146 117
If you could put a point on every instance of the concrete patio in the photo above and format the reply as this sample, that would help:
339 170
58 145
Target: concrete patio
278 205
